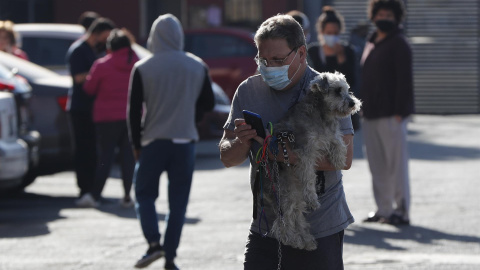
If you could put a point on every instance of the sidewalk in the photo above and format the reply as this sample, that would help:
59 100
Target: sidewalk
44 230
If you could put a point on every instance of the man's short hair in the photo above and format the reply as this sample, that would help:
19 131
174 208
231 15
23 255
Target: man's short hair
117 40
281 27
87 18
396 6
100 25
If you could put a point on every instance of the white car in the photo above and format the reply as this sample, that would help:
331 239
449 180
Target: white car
46 44
13 151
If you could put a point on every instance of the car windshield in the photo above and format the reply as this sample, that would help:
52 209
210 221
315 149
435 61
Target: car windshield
26 68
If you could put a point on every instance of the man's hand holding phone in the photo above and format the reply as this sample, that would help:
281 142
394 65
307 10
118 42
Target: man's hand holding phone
251 127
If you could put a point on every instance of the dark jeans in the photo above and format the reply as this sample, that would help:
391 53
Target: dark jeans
178 161
111 135
262 253
85 158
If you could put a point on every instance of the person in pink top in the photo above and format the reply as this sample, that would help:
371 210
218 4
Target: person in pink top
108 81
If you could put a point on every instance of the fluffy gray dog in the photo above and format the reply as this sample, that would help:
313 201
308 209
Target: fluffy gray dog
314 124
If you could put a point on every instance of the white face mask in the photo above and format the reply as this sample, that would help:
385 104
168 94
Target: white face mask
277 77
331 40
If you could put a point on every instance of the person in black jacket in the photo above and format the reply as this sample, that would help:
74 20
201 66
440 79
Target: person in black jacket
330 54
387 94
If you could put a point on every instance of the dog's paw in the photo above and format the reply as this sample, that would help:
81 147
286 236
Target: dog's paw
311 244
313 204
339 164
304 241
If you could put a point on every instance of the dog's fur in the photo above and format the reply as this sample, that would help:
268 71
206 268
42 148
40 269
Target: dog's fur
314 123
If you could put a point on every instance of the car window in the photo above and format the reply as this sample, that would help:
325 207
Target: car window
218 46
46 51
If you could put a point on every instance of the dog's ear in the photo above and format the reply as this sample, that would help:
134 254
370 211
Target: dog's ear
320 84
323 83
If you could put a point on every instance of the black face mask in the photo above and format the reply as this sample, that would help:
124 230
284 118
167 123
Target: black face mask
385 25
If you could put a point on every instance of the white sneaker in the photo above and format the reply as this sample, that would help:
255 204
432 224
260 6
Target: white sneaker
86 200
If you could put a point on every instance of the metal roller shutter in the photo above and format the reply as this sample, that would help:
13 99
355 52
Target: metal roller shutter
445 41
444 37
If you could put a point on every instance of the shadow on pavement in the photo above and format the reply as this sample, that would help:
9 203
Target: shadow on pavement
27 214
112 207
368 236
423 150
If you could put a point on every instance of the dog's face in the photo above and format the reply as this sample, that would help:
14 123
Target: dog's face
335 91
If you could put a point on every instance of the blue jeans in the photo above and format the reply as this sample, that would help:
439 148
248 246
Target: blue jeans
262 253
178 161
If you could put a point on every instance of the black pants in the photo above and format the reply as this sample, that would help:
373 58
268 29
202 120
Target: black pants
112 135
262 253
85 158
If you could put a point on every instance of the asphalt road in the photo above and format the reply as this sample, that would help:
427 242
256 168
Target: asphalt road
42 229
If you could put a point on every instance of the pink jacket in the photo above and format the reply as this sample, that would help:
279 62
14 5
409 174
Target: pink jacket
108 81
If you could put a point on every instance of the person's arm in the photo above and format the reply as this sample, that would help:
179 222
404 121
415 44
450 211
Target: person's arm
92 81
404 80
206 99
235 144
325 164
77 63
322 165
80 77
134 111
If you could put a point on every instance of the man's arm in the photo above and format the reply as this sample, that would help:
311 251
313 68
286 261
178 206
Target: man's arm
80 77
322 165
134 112
325 164
234 145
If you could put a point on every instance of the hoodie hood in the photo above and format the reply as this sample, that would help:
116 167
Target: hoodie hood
166 35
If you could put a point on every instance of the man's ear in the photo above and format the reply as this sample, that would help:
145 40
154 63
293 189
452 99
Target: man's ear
302 51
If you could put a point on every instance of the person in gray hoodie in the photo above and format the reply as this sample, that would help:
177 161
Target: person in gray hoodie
176 89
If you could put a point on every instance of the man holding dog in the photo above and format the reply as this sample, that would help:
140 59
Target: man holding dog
284 80
387 94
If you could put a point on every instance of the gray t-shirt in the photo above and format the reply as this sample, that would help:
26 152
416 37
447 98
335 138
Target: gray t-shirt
255 95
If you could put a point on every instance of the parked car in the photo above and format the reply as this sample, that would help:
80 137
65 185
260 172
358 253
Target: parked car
211 125
48 111
13 150
22 93
228 52
46 44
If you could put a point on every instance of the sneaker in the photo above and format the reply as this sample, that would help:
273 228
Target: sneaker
87 200
127 203
374 217
170 265
397 220
153 253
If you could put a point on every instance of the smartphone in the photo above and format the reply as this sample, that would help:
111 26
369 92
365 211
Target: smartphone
255 121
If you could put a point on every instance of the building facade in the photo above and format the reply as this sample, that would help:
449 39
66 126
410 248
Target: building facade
444 34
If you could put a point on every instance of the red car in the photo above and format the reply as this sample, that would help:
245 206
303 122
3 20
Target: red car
228 52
